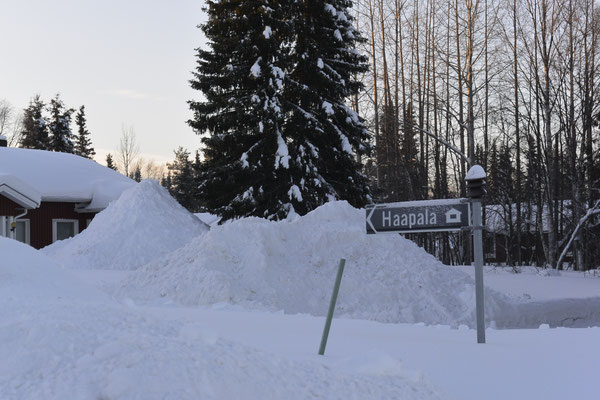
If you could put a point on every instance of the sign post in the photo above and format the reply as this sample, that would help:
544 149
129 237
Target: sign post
440 216
418 216
476 184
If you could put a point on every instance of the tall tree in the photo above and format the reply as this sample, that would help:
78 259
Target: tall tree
246 158
61 138
280 137
517 130
83 144
325 133
129 149
6 113
35 129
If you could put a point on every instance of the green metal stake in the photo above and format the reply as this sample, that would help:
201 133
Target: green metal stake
334 295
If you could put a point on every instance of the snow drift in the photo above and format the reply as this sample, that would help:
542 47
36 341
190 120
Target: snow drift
142 225
63 339
291 266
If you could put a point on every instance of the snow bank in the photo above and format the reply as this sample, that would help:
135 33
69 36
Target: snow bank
142 225
291 266
61 339
28 276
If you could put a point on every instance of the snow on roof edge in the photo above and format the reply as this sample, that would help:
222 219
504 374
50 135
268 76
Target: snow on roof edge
18 191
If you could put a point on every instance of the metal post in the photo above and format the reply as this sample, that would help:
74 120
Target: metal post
334 295
478 253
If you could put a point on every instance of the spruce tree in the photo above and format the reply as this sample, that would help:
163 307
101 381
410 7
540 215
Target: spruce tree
35 130
280 138
181 179
61 139
410 170
197 173
246 161
166 182
110 163
324 130
83 144
137 173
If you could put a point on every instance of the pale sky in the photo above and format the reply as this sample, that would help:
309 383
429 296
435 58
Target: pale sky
128 62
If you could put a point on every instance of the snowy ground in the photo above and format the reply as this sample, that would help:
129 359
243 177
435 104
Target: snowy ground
63 339
514 364
536 284
237 313
71 341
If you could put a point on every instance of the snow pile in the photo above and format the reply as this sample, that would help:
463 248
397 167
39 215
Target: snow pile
62 339
291 266
142 225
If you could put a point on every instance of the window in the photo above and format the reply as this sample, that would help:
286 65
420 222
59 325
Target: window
64 229
22 231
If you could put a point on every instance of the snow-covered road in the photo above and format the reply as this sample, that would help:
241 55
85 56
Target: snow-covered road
541 363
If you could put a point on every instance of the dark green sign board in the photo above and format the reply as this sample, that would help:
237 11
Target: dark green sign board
418 216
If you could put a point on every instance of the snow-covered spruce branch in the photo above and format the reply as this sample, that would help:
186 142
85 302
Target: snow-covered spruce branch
595 210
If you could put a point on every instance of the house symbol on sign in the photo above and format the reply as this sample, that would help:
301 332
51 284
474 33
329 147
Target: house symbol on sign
453 216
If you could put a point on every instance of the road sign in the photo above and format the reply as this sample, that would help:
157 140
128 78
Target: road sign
418 216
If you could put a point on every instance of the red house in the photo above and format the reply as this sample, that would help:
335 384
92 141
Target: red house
47 196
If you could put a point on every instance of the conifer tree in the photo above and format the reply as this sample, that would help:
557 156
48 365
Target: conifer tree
196 172
325 131
83 144
35 130
246 162
110 163
181 179
410 171
166 182
280 137
137 173
60 127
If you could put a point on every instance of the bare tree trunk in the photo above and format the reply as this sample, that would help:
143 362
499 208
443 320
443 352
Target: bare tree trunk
416 52
436 151
396 93
460 102
517 136
571 136
471 16
375 94
589 44
546 36
129 149
486 142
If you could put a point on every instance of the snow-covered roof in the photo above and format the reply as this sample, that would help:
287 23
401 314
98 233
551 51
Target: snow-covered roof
61 177
18 191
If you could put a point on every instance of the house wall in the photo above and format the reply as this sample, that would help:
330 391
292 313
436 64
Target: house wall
40 221
9 207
